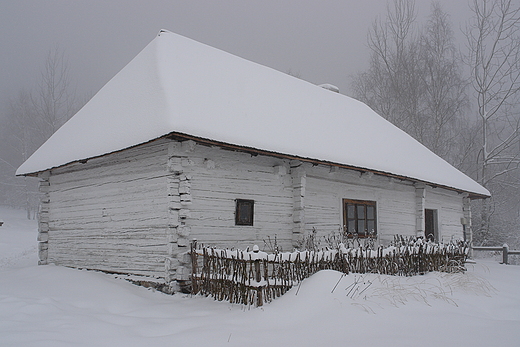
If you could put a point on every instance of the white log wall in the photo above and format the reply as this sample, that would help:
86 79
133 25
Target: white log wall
396 201
111 212
136 211
450 211
218 177
326 188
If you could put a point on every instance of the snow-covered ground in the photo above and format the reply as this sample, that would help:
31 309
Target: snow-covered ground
57 306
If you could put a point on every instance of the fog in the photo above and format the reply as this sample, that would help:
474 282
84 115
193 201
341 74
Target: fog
320 41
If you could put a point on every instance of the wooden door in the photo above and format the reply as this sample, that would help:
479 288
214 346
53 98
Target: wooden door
430 225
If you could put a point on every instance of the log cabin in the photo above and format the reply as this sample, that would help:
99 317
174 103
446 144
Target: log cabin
191 142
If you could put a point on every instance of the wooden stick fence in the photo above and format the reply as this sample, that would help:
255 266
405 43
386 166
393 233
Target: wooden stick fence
255 277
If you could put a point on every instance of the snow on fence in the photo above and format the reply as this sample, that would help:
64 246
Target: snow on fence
254 277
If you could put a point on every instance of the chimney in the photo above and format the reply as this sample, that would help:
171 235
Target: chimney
330 87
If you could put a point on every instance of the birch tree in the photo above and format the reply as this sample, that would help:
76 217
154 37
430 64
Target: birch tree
493 41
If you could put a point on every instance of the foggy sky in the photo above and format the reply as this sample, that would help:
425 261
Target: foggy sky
322 41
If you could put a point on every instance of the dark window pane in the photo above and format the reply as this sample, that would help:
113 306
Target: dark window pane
361 226
371 227
370 212
244 212
351 226
361 212
351 211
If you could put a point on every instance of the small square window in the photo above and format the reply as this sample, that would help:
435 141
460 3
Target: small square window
244 212
359 218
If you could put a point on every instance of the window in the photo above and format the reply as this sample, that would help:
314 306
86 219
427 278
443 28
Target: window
244 212
359 218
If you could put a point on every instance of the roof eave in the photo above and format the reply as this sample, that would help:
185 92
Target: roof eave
182 136
178 136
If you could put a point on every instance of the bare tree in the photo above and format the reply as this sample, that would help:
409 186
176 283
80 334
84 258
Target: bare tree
24 127
21 136
33 118
389 84
493 40
55 101
414 79
444 99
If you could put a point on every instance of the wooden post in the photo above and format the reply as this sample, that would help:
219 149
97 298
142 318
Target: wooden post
259 298
505 251
468 231
299 179
258 275
194 284
258 278
420 200
43 218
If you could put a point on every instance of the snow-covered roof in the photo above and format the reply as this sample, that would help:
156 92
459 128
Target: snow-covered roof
179 85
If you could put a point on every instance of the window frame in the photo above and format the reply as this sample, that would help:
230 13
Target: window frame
357 218
239 205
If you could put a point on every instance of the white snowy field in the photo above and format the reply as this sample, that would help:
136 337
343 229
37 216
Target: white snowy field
57 306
